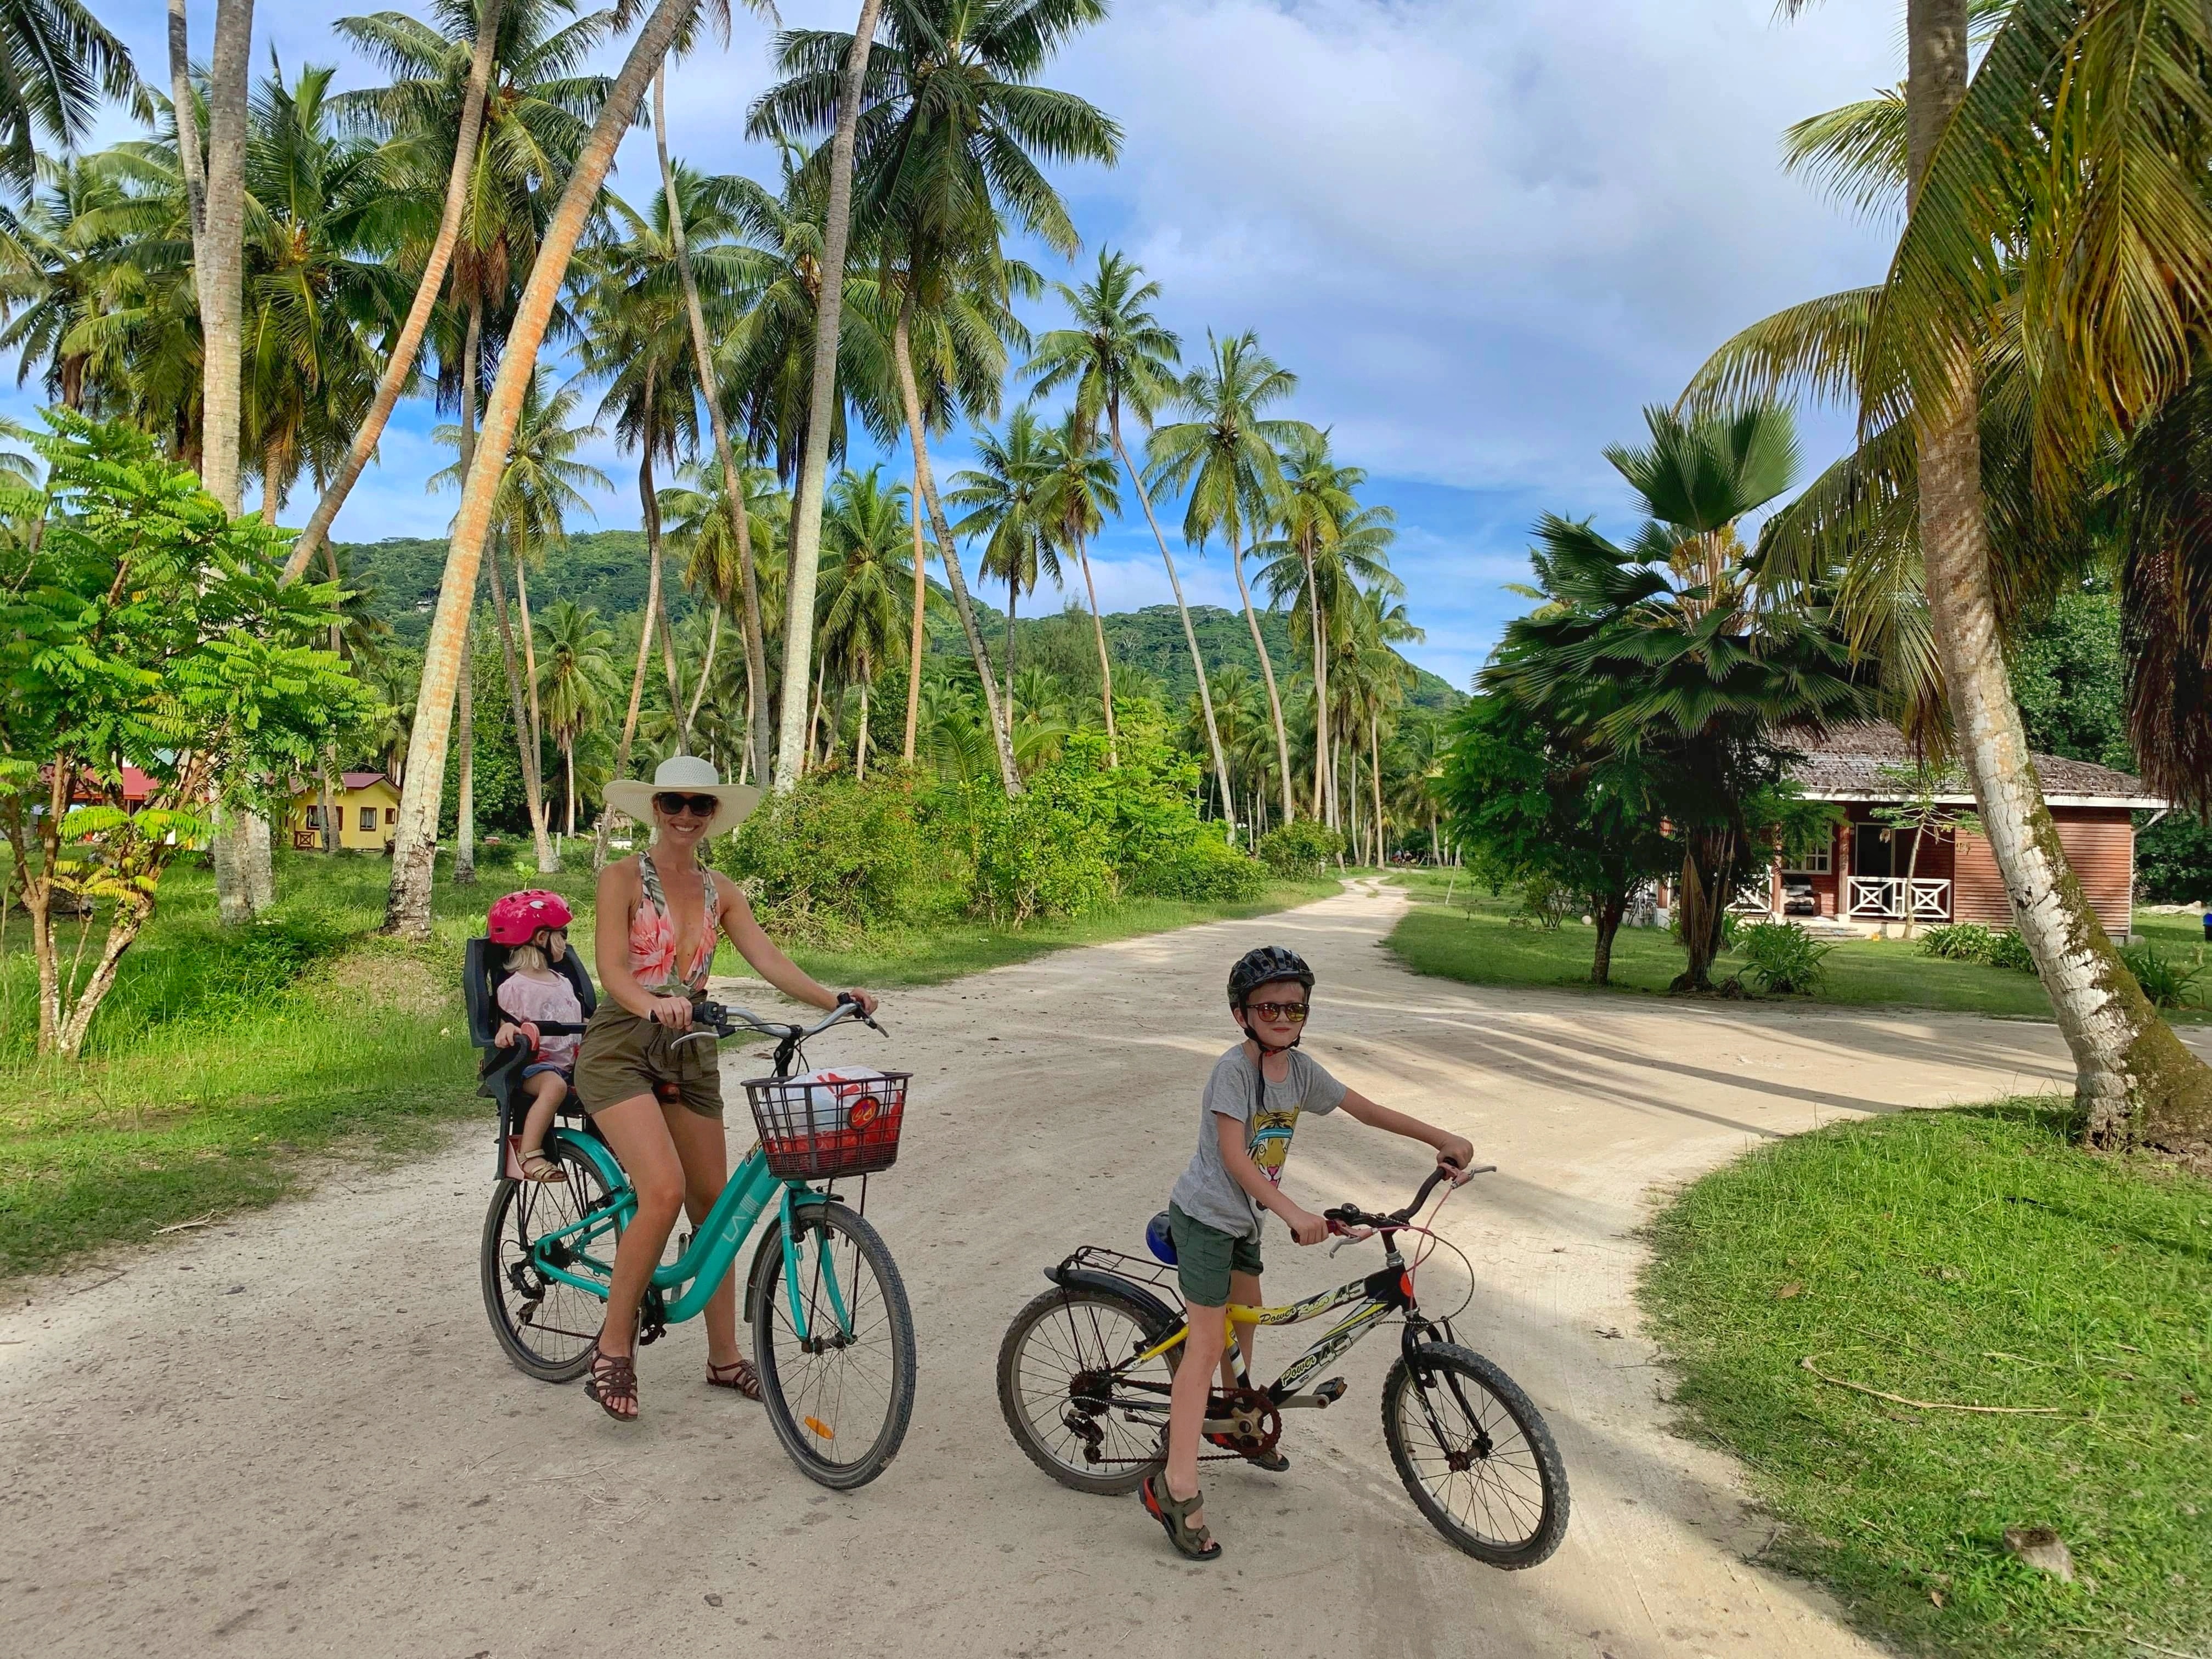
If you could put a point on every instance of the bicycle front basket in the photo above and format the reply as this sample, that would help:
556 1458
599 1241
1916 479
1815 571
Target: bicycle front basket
844 1123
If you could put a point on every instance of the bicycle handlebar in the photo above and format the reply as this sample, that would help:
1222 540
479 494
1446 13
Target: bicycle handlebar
721 1020
1344 1217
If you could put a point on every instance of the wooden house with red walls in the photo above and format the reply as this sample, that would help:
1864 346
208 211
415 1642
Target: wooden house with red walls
1869 877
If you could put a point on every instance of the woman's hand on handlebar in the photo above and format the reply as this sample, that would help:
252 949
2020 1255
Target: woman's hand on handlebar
674 1012
864 1000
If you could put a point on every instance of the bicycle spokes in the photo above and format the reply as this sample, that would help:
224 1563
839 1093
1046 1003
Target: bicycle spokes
1473 1458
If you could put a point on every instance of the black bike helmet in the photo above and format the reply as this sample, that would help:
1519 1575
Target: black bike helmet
1263 967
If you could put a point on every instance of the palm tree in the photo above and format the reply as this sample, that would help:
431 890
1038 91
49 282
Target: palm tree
865 533
1076 494
407 911
1001 496
56 61
842 116
572 685
1226 457
953 123
1117 353
2083 291
697 524
399 364
1373 680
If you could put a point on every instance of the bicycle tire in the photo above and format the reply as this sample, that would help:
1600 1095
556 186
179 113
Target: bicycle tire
521 1211
1083 1341
1450 1363
895 1346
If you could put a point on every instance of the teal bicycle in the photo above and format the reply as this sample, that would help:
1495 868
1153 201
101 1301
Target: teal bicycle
833 1338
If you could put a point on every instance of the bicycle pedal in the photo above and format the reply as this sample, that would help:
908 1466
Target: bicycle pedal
1330 1392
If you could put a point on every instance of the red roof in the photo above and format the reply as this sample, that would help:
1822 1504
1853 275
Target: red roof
137 788
361 779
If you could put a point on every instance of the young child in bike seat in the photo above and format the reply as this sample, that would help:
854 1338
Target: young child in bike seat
533 925
1247 1117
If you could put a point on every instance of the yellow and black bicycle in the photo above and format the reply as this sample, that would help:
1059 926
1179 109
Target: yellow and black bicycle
1086 1369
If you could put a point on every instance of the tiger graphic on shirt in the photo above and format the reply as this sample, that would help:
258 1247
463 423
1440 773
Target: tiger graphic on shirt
1270 1145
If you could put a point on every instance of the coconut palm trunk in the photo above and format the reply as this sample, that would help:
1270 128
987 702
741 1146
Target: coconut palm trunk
1189 633
399 368
914 650
568 775
2135 1082
652 518
1321 791
860 744
1001 719
749 580
1375 781
188 141
1105 663
465 817
1266 673
814 462
707 667
407 910
1013 600
533 788
637 674
529 654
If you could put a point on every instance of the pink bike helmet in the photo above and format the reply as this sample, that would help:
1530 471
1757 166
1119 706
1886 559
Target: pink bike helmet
515 920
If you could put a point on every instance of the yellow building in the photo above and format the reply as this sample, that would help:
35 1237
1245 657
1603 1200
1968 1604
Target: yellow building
367 809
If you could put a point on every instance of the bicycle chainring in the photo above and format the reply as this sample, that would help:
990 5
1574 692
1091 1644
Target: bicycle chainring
1258 1423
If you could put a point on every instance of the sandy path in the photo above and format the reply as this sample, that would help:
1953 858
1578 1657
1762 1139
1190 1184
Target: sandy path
296 1435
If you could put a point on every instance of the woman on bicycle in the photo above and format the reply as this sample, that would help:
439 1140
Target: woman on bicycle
657 1099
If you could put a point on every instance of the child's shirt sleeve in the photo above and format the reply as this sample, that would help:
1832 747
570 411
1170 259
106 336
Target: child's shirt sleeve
1229 1090
1319 1092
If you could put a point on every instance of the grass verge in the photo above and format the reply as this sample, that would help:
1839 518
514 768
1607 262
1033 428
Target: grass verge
226 1063
1966 1257
1473 939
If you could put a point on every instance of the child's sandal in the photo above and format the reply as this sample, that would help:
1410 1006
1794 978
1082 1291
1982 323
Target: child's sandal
535 1166
613 1382
1194 1542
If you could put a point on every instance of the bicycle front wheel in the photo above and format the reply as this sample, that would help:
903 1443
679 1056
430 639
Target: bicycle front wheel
835 1349
1475 1455
548 1327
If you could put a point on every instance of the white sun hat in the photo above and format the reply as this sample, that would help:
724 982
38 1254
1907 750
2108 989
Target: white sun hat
685 775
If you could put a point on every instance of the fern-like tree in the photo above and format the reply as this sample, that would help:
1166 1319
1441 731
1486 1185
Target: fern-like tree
1000 497
865 575
1077 495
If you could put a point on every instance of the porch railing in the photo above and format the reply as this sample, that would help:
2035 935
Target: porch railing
1896 898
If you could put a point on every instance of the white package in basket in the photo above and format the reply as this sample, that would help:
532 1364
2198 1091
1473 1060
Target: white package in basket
831 1097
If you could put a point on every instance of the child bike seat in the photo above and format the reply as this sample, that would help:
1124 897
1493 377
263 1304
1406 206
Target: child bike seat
1158 1240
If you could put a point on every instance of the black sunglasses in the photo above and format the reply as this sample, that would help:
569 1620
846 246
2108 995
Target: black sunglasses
699 806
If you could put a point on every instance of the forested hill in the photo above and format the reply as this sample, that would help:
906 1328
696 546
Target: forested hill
605 570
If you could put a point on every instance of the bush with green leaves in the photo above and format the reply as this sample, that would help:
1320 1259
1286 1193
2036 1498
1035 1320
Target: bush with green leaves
2166 982
1303 849
1045 852
1959 941
2009 949
835 858
1781 957
1545 903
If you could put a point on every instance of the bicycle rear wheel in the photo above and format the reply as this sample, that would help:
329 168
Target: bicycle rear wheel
841 1395
1057 1398
547 1327
1475 1456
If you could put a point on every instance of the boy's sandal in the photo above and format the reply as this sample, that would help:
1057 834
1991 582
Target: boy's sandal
1194 1542
535 1166
741 1377
1273 1461
612 1381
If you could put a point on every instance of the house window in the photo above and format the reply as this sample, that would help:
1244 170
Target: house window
1810 861
368 818
314 817
392 814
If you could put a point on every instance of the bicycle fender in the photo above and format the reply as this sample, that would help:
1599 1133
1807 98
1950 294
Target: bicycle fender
598 1153
1097 1278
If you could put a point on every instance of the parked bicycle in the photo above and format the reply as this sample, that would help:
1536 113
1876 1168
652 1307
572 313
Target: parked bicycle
833 1338
1085 1369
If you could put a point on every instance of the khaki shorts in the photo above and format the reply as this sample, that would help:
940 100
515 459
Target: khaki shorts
623 1056
1206 1256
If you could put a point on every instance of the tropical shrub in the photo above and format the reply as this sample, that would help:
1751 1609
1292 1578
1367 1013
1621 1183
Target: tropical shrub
2009 949
1781 957
1545 903
1961 941
1044 853
1210 869
1304 849
2167 983
833 857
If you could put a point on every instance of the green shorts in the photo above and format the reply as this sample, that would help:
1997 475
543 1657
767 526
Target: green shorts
622 1056
1206 1256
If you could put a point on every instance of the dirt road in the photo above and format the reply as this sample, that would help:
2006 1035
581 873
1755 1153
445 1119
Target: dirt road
294 1435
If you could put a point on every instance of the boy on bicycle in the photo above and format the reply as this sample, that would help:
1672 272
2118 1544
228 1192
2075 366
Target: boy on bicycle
1249 1111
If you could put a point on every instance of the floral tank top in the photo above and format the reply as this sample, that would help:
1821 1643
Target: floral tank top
652 937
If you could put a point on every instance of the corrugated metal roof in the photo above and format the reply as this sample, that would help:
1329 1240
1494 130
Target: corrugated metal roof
1848 762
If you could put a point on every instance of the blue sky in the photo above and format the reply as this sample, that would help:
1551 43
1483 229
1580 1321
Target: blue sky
1484 235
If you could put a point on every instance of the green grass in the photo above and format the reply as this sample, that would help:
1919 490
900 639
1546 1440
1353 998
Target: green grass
227 1064
1473 939
1968 1257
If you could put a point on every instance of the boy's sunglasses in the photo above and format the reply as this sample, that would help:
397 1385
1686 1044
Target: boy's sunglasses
1294 1013
699 806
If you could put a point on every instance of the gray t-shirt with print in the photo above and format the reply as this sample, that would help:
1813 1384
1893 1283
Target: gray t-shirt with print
1207 1192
